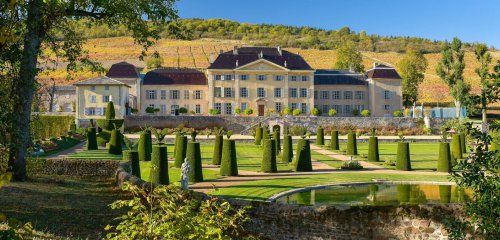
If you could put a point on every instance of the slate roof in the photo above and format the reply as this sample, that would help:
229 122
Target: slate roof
173 76
122 70
246 55
338 77
383 71
102 80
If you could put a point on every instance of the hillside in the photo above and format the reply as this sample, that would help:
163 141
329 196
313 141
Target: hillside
195 53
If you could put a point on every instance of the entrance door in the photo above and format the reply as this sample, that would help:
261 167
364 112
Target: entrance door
261 110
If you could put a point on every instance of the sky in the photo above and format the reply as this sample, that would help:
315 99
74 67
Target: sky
471 21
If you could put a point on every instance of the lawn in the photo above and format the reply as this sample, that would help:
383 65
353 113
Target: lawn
174 174
330 161
101 154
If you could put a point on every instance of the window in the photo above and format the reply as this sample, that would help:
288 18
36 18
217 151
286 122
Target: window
325 95
387 95
243 92
387 107
277 107
151 105
293 92
360 95
217 77
218 106
197 94
92 88
324 109
90 111
261 92
315 94
348 95
106 88
261 77
197 108
303 107
228 92
359 107
174 94
217 92
293 106
228 108
277 92
186 94
163 94
228 77
163 108
244 77
335 94
173 108
305 78
92 98
278 77
303 92
293 78
244 106
338 108
105 98
151 94
347 109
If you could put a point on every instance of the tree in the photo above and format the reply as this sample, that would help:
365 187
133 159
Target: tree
348 57
34 27
450 69
154 62
412 68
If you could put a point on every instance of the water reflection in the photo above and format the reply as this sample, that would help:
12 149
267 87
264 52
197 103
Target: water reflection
379 195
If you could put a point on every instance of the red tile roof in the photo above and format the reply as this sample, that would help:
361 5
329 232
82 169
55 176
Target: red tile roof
175 77
123 70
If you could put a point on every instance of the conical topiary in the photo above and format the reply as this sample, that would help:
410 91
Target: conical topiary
229 164
277 142
91 139
334 142
145 146
110 111
180 151
159 165
115 143
352 148
463 144
269 157
403 157
176 141
193 154
302 162
265 134
217 157
444 159
373 153
258 135
456 149
133 157
320 136
287 155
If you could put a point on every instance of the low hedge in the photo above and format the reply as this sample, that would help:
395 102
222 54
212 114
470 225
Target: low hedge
48 126
73 167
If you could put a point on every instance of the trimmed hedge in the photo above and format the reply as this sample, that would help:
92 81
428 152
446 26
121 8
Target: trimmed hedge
269 157
444 159
277 142
159 165
193 155
265 134
456 149
287 155
403 157
258 135
320 136
352 147
217 157
145 146
229 164
334 142
463 144
103 137
115 143
133 157
110 111
180 151
47 126
91 139
109 124
302 161
373 153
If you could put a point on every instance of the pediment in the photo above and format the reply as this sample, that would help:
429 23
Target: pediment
262 65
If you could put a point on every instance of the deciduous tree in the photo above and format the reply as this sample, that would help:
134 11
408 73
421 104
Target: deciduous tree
349 57
412 68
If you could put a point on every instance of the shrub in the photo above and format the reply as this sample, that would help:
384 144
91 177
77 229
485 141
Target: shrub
355 112
133 157
444 159
332 112
268 164
287 111
287 155
296 112
145 146
159 165
237 110
352 147
91 139
334 142
373 153
193 154
180 151
351 165
302 161
315 112
115 143
150 110
103 137
403 157
398 113
320 136
258 135
216 159
366 113
183 110
110 124
229 164
297 130
277 142
456 149
265 133
72 127
248 111
110 111
214 111
47 126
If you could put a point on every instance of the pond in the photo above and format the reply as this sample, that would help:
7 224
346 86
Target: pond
378 194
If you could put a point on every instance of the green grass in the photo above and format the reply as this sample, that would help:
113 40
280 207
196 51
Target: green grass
330 161
174 174
101 154
263 189
61 146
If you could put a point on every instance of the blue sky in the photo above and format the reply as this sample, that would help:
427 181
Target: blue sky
471 21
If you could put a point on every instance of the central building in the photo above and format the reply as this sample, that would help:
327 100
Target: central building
264 79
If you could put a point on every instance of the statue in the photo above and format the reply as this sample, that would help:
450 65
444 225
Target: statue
185 169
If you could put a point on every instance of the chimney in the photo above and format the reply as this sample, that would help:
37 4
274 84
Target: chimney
235 50
351 68
279 50
212 58
261 55
237 64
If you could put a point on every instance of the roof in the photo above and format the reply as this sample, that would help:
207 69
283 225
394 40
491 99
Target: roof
65 88
245 55
383 71
123 70
102 80
172 76
338 77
